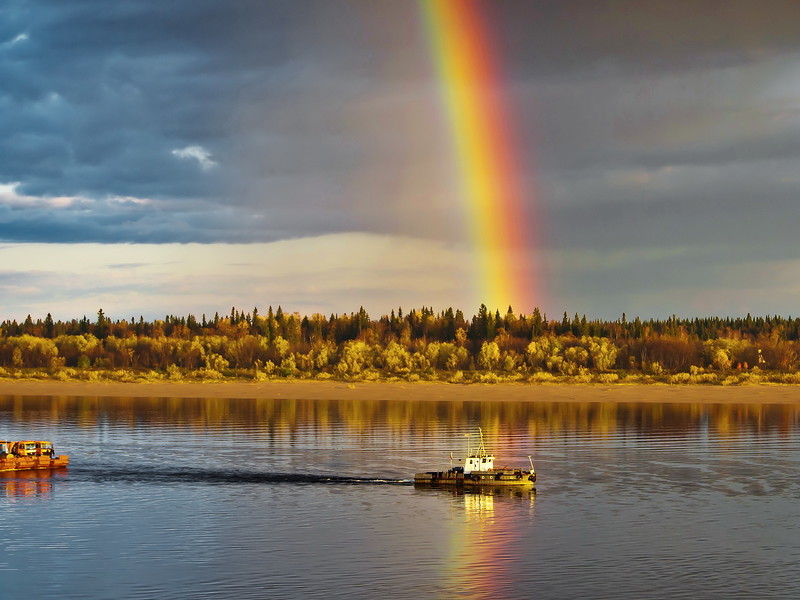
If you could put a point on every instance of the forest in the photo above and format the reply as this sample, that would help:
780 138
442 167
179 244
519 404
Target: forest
420 344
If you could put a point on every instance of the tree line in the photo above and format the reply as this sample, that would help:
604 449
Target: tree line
421 343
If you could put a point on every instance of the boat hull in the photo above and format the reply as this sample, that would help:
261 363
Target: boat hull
492 478
30 463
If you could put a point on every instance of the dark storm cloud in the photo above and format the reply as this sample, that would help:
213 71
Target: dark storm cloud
94 101
99 99
98 94
112 224
598 39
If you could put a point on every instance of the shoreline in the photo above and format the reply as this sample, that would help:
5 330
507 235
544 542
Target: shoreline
416 391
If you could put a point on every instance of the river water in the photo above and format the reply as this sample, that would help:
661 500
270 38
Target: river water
175 498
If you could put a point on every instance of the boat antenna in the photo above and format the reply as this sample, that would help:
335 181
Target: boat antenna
531 461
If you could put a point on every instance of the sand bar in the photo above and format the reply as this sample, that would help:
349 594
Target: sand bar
337 390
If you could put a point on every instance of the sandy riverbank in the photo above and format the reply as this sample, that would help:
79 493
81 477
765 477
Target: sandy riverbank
337 390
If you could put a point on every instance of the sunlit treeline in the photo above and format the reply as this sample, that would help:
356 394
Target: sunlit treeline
412 325
420 343
501 421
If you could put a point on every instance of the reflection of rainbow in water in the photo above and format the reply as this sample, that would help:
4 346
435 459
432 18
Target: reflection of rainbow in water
487 532
491 181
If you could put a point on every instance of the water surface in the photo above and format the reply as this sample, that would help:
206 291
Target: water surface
176 498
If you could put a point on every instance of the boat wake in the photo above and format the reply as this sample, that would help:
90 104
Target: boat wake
226 477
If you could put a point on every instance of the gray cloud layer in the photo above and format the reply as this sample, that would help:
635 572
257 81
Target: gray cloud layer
666 130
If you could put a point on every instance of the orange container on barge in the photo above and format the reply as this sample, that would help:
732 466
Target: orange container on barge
27 455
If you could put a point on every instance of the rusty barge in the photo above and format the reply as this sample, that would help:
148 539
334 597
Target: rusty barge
479 471
29 455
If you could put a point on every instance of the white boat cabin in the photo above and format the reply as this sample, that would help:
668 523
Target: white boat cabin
478 463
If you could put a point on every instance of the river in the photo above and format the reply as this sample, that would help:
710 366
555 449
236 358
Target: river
220 498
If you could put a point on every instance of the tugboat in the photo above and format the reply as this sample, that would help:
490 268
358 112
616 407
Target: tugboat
28 455
479 470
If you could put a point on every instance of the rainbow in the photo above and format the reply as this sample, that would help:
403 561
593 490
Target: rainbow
502 231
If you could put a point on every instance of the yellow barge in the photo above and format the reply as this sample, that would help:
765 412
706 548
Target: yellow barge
28 455
479 470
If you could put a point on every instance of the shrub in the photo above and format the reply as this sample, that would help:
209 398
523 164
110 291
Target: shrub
488 378
750 378
152 376
458 377
518 376
373 375
542 377
582 376
206 373
655 368
607 378
121 375
602 352
289 366
705 378
215 362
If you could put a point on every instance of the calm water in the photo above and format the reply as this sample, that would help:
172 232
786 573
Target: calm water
225 498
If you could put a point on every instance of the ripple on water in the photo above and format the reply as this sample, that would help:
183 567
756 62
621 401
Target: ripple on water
291 499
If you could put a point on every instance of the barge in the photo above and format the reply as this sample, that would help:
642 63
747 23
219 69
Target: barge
478 471
29 455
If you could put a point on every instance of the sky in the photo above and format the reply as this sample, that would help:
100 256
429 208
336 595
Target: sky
193 155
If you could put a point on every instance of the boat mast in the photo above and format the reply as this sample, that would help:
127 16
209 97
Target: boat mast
482 448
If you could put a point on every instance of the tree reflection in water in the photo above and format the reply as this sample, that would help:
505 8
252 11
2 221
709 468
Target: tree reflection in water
361 416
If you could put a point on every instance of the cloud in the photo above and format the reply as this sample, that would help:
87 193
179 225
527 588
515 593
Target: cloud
22 37
130 200
26 217
313 274
198 153
10 197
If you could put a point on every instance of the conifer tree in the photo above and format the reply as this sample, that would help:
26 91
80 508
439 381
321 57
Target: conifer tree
49 326
101 326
